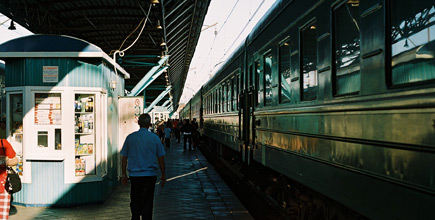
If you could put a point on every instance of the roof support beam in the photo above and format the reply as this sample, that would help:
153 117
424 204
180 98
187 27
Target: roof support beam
138 63
167 102
157 100
149 77
171 109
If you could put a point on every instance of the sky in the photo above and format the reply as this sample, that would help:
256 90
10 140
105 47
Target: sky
228 19
226 25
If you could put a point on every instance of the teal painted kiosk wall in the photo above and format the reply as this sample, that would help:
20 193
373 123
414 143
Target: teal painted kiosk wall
68 156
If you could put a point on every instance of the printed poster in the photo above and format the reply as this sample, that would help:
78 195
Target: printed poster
50 74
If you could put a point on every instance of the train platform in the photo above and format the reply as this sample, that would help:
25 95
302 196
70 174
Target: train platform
194 190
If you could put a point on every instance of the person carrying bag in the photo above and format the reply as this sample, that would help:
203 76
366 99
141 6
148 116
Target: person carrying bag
7 159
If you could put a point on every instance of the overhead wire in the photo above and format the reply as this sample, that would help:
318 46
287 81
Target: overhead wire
121 52
216 33
249 21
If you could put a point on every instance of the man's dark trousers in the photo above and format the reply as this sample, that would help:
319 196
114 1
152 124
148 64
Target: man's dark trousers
142 196
168 142
188 137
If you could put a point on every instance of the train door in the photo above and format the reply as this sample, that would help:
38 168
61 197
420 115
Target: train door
249 115
252 102
241 108
245 124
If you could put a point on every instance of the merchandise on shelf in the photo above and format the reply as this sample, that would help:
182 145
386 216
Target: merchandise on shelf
80 166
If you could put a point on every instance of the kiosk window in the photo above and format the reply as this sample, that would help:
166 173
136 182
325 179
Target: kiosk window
57 139
42 138
48 109
16 120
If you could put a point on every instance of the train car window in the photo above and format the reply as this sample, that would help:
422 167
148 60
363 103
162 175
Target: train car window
224 93
216 103
284 73
268 96
221 101
257 82
347 48
251 77
231 95
412 41
236 94
228 95
309 62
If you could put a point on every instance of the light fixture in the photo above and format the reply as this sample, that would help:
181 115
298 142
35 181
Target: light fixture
163 43
12 27
158 26
154 1
406 43
313 27
112 84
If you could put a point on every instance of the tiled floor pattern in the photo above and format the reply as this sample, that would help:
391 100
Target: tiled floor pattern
196 192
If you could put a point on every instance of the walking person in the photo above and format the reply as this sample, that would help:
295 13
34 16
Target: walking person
141 152
7 158
161 131
195 134
187 130
178 131
168 134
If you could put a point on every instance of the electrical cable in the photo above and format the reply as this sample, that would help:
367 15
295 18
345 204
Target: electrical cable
249 21
228 17
112 51
121 52
217 32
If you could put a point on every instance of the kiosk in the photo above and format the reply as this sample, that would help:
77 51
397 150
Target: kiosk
62 119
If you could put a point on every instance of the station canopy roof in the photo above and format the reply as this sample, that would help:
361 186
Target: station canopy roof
172 29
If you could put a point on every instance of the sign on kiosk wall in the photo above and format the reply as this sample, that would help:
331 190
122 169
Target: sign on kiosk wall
50 74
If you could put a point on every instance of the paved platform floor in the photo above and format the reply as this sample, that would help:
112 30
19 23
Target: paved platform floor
194 191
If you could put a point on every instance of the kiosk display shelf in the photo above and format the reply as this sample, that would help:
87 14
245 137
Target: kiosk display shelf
84 135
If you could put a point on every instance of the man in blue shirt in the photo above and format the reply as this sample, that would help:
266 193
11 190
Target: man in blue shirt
141 151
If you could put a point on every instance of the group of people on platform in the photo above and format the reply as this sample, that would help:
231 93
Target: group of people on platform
143 154
178 127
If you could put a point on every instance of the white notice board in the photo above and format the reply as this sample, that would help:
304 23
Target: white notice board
50 74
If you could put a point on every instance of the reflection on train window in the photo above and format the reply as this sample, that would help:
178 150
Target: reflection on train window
268 97
216 102
309 62
230 96
238 91
347 48
235 93
221 101
412 37
224 99
257 81
284 72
